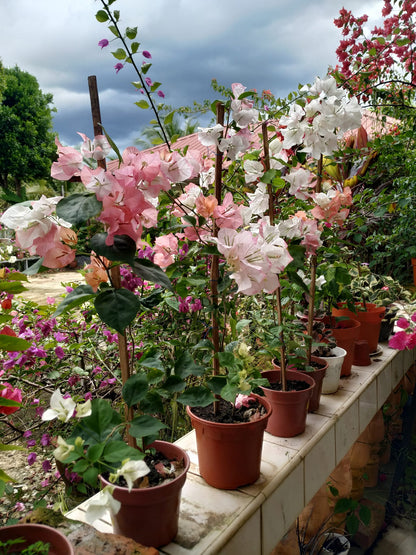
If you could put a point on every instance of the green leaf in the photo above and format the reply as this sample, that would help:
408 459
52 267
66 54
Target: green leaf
5 402
145 425
77 297
134 47
186 366
142 104
145 68
81 466
95 451
135 389
343 505
168 119
34 268
4 447
174 384
152 361
5 477
114 30
117 308
119 54
123 248
118 451
352 523
91 476
101 16
96 427
12 287
131 32
151 272
198 396
78 208
112 144
8 343
364 513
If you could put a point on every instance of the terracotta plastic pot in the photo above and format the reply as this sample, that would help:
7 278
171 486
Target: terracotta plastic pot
345 334
32 533
150 515
229 455
290 408
318 375
370 320
330 383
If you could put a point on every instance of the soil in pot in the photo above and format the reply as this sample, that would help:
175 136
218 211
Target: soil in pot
335 544
227 413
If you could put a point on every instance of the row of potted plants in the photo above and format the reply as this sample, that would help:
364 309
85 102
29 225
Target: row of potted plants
256 225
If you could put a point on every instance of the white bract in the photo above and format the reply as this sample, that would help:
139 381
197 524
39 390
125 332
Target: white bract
131 471
101 503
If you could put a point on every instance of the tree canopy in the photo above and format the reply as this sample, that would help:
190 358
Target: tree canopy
27 142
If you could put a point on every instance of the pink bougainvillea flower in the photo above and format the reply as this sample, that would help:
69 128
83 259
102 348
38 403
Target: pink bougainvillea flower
103 43
12 393
227 215
205 206
148 81
243 400
403 323
31 458
69 162
399 341
166 248
118 67
146 54
96 271
161 94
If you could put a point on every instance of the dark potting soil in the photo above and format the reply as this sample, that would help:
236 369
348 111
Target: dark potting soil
291 385
162 469
227 413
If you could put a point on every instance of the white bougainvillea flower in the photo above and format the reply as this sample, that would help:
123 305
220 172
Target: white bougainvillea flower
253 170
63 449
131 471
83 409
259 200
209 136
101 503
60 408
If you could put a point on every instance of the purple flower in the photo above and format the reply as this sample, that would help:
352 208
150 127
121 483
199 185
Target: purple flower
148 81
31 442
118 66
60 337
46 465
146 54
59 352
69 289
45 483
196 305
72 380
88 396
45 440
103 43
19 506
161 94
27 434
31 458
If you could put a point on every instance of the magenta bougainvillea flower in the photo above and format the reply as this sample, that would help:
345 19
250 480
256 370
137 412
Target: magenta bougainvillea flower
118 66
103 43
146 54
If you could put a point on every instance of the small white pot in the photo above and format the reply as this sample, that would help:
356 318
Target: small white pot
333 372
346 546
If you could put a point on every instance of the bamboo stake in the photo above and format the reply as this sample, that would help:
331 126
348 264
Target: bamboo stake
314 263
115 270
215 257
278 291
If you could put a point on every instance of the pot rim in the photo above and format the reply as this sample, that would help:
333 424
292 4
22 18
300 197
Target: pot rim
148 490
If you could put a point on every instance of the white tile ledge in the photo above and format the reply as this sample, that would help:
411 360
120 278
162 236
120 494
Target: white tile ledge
253 519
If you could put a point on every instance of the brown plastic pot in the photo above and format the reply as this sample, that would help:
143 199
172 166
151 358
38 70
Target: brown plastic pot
290 408
346 333
318 375
370 320
150 515
229 455
32 533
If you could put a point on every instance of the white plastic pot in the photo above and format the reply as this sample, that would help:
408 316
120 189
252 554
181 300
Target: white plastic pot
346 546
333 372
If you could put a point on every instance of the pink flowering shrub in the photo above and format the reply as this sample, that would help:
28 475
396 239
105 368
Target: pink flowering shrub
406 337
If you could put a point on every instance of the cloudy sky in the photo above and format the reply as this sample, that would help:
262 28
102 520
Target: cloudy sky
264 44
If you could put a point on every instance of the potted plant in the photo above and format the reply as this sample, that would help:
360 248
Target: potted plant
382 291
34 539
325 347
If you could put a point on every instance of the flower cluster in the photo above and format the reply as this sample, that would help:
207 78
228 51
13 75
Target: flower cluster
406 338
